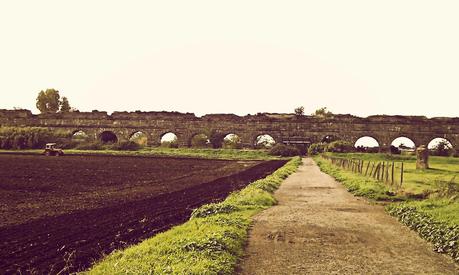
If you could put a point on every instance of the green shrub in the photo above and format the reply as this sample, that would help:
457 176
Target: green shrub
200 141
446 189
29 137
93 145
340 146
284 150
213 209
444 237
67 143
126 145
443 148
316 148
169 144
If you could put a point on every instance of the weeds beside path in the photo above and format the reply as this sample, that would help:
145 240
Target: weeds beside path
318 227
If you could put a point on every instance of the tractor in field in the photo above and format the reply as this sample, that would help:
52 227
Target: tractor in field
51 150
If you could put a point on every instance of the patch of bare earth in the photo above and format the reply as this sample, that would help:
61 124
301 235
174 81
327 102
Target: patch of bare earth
320 228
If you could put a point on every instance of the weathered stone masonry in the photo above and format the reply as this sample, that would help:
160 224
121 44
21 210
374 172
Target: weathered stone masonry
282 127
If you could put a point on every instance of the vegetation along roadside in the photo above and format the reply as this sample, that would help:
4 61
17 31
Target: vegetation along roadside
211 242
427 201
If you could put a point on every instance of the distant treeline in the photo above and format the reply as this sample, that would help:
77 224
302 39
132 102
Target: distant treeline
29 137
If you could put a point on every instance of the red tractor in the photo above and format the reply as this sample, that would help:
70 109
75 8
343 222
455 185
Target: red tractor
51 150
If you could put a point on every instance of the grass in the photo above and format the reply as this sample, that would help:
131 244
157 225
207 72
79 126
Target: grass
435 217
211 242
441 209
357 184
417 182
228 154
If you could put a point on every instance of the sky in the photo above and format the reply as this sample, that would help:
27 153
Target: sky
359 57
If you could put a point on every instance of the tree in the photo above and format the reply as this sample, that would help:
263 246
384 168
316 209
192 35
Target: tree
49 101
323 113
299 111
65 106
200 141
215 138
442 148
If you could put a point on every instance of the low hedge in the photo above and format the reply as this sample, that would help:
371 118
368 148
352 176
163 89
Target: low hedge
211 242
443 236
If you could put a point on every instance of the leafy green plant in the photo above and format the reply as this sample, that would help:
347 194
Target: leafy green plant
444 237
212 209
93 145
340 146
446 189
126 145
316 148
29 137
284 150
200 141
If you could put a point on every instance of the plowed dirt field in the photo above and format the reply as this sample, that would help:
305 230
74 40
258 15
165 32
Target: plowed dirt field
64 213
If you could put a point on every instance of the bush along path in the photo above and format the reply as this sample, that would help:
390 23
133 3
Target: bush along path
443 236
211 242
435 220
318 227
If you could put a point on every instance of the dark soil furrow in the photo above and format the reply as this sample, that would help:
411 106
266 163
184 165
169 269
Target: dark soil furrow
73 241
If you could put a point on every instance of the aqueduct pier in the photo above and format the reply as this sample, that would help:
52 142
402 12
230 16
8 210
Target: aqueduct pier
283 128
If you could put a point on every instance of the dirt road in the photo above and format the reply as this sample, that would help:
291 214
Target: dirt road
320 228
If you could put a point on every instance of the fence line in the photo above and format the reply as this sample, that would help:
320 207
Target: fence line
387 172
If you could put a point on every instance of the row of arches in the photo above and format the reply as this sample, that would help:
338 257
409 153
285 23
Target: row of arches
403 143
262 141
170 139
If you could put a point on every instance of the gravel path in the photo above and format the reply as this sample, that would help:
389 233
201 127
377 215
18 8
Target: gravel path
320 228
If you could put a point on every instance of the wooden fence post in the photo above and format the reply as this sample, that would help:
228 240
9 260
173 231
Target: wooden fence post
393 170
401 176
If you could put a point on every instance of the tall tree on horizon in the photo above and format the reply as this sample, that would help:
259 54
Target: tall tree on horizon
49 101
65 105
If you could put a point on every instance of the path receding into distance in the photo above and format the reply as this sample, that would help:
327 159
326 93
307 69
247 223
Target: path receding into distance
319 228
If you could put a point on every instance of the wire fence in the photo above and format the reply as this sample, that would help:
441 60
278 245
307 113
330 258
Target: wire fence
388 172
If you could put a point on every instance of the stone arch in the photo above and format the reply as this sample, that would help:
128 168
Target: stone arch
139 137
367 143
263 141
404 142
108 137
199 140
169 139
232 141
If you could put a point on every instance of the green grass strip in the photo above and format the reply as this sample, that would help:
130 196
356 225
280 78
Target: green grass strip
224 154
211 242
435 220
357 184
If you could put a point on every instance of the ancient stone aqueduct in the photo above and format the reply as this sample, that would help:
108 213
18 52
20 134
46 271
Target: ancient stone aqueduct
285 128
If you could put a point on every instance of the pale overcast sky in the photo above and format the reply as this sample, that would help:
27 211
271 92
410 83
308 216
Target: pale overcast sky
360 57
